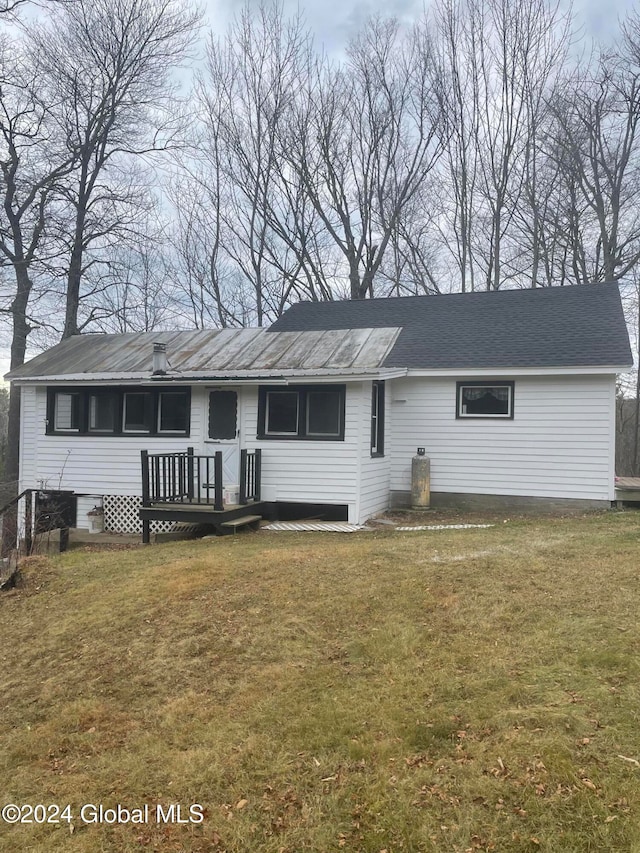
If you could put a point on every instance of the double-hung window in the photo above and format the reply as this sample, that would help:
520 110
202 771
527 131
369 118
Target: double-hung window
313 412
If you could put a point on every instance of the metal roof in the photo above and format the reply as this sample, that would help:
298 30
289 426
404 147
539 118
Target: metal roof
212 354
576 326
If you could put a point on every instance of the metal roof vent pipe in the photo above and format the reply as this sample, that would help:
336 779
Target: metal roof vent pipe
159 360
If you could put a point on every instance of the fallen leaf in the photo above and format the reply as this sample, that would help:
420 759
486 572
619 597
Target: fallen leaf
241 804
630 760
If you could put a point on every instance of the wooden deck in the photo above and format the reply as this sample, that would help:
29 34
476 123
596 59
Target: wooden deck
198 513
187 487
628 489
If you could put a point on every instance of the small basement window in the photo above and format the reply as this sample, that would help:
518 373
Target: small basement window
313 412
484 400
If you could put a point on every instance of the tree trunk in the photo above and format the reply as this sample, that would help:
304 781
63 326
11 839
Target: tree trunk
74 276
355 285
21 330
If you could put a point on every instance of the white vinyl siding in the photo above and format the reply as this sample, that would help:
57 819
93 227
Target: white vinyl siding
32 425
95 464
300 471
296 471
375 471
559 443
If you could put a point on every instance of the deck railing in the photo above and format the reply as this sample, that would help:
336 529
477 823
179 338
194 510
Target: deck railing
189 478
184 477
250 475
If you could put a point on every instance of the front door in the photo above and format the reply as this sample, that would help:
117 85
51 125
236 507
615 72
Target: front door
223 431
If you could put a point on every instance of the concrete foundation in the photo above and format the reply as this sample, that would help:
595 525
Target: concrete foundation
506 503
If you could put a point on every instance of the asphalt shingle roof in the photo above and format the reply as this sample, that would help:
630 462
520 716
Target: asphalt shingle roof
581 325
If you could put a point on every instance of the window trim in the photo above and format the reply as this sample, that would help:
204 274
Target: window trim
377 418
302 391
85 393
498 383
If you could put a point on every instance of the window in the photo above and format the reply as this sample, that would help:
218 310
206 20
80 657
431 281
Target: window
283 413
223 415
377 418
484 400
118 411
173 412
138 412
103 411
314 412
66 416
324 413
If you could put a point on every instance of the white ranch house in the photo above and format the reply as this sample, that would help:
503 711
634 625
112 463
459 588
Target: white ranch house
511 393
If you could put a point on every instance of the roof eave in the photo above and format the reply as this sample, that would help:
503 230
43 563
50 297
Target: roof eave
555 370
238 377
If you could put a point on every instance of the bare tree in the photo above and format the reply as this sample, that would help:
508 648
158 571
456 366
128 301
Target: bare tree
110 63
365 139
32 165
596 122
252 80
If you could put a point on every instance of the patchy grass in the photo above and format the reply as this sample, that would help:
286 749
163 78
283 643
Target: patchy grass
459 690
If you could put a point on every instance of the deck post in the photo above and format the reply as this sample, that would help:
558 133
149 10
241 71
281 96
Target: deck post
257 474
217 467
243 477
28 521
144 459
64 539
146 531
190 474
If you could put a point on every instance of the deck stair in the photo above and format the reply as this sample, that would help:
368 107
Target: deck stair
250 521
628 489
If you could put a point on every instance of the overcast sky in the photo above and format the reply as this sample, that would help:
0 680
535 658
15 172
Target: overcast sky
333 22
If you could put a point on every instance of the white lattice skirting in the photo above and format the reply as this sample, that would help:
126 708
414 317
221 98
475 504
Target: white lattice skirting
121 515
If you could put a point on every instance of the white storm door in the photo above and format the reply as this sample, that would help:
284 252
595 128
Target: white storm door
223 431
